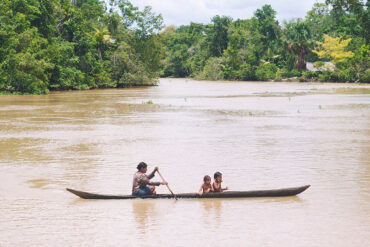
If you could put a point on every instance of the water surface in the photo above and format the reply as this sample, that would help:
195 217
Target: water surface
259 135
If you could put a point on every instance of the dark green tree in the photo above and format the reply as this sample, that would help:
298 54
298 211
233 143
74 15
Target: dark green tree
269 29
298 40
217 37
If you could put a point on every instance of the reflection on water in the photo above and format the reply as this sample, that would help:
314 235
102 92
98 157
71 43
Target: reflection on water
143 211
38 183
213 205
212 212
259 135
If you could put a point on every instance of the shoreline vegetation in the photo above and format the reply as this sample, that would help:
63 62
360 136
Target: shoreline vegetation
87 44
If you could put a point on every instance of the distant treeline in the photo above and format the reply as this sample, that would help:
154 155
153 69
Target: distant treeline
260 48
82 44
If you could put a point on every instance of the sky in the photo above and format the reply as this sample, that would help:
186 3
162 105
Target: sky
182 12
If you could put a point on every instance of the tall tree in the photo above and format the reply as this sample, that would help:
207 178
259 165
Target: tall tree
351 17
102 38
298 40
269 28
217 34
319 20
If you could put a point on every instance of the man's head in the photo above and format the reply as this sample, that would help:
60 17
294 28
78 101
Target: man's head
142 167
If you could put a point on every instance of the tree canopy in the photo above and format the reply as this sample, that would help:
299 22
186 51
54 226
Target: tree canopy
82 44
260 48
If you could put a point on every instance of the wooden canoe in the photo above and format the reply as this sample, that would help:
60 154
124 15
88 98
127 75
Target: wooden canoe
227 194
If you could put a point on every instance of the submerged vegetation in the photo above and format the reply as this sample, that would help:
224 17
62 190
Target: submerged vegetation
83 44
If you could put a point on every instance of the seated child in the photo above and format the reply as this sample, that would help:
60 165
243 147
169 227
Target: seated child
206 187
217 183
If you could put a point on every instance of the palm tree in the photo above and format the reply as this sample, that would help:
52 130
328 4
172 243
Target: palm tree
102 37
298 40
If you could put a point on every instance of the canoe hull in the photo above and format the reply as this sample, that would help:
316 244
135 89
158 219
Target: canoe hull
228 194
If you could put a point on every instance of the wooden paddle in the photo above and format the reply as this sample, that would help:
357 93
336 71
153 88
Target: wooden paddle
167 185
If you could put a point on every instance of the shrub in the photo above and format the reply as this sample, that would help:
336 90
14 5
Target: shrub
309 75
132 79
284 73
365 77
266 71
27 74
69 78
341 75
319 64
246 72
213 69
324 76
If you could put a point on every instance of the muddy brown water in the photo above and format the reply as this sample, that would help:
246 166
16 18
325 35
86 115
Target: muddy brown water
259 135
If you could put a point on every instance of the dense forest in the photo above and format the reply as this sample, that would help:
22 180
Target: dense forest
79 44
82 44
260 48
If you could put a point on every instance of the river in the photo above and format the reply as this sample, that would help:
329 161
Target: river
260 135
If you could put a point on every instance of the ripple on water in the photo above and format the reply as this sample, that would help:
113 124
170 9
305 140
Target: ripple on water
259 135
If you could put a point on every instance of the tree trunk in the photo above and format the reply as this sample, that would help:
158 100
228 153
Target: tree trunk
99 52
300 64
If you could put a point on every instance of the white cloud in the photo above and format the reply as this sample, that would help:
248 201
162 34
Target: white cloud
182 12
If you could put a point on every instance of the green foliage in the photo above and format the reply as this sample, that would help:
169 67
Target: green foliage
185 53
260 49
213 70
246 72
284 73
266 71
82 44
338 75
309 76
61 45
269 30
217 37
319 64
351 17
365 77
318 18
298 40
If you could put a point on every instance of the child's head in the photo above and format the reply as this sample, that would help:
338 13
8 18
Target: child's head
207 179
218 176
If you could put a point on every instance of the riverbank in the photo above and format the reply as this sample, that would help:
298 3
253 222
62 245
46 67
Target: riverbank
131 85
290 79
156 83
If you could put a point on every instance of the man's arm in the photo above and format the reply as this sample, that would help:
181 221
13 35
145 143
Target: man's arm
151 175
158 183
155 183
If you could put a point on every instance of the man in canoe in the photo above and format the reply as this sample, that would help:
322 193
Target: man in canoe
141 181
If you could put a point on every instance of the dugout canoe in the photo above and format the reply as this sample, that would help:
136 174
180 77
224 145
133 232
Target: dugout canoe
227 194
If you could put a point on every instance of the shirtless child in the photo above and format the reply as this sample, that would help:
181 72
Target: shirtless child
206 187
217 183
